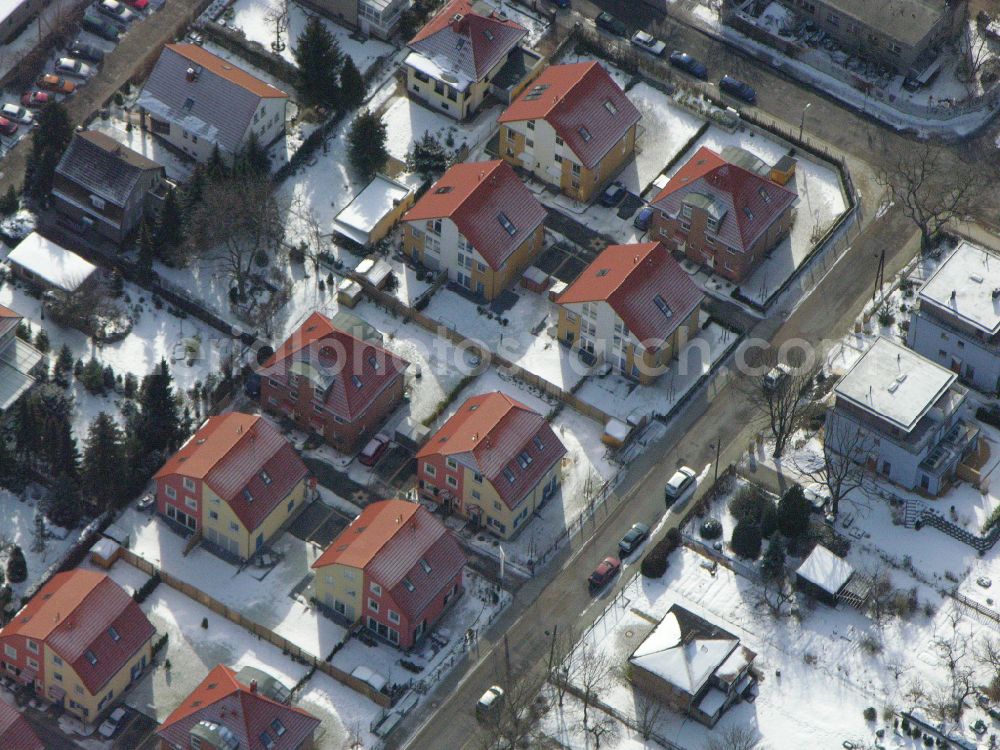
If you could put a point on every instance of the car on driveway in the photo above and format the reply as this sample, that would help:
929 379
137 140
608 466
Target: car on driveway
490 702
632 539
35 99
17 114
52 82
648 43
689 64
678 485
611 24
137 4
606 570
112 723
374 450
116 11
739 89
73 67
643 219
86 51
613 194
100 26
7 127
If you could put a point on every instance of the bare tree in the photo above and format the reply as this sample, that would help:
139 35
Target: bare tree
590 674
238 224
648 712
780 399
355 738
947 699
604 729
924 181
882 596
735 738
560 664
841 468
514 720
277 20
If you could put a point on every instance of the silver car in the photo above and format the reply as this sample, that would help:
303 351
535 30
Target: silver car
116 11
678 485
72 67
17 114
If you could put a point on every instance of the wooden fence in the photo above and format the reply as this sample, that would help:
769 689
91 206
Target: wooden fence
258 630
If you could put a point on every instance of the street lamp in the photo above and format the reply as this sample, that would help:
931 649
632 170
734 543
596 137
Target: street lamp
718 449
802 122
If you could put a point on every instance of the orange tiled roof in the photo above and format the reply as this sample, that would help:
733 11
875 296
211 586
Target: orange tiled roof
367 534
227 70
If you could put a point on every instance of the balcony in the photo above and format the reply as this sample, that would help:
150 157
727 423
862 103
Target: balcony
951 449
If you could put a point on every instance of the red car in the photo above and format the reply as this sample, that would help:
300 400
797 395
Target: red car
374 450
7 127
138 4
35 99
606 570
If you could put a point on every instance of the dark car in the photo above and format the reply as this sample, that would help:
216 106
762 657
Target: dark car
643 218
374 450
85 51
631 541
613 194
688 64
739 89
608 22
606 570
96 25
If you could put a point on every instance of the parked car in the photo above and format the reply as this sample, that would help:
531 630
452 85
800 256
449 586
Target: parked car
35 99
490 702
86 51
100 26
739 89
689 64
52 82
632 539
7 127
643 219
137 4
561 3
613 194
649 43
606 570
17 114
116 11
373 450
609 23
112 723
678 485
73 67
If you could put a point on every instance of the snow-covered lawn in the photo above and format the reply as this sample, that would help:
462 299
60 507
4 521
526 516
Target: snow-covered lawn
18 527
251 17
262 595
144 142
625 399
156 334
528 340
587 458
407 120
821 201
343 712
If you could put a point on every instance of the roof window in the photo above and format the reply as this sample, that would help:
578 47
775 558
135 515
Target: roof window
610 106
506 224
663 307
584 133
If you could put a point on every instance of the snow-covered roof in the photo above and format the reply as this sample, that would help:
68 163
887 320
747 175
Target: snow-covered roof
366 674
104 548
52 263
824 569
617 429
7 8
712 702
362 215
894 383
685 660
439 70
967 285
536 275
16 362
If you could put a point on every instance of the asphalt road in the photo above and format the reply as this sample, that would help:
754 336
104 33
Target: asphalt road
559 596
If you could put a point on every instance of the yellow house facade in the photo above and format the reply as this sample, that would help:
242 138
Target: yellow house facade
60 676
222 526
339 587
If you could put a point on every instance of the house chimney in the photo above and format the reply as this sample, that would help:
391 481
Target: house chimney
954 294
191 74
996 293
253 686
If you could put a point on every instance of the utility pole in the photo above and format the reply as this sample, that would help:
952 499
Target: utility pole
552 647
718 450
879 275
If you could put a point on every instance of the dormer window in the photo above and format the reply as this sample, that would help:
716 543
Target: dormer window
585 134
91 657
408 585
662 306
425 565
278 728
265 477
373 361
247 495
114 634
764 195
748 212
524 459
509 474
506 224
488 34
356 380
538 443
610 106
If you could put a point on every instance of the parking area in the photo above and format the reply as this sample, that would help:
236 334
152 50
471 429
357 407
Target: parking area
319 524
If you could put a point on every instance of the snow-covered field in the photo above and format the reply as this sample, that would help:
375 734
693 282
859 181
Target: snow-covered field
528 340
262 595
251 16
406 121
626 399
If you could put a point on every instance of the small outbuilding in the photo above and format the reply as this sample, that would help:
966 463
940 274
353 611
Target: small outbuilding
376 209
49 266
823 575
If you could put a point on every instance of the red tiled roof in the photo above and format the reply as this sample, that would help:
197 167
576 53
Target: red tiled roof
224 69
353 372
15 732
388 541
6 312
73 614
630 278
488 433
222 699
472 43
751 202
474 195
582 103
229 453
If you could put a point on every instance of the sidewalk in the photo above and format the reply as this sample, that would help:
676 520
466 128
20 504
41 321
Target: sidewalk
134 54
